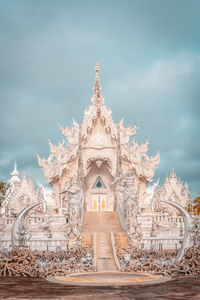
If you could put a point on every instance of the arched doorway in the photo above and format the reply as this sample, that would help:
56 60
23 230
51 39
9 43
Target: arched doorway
99 192
99 196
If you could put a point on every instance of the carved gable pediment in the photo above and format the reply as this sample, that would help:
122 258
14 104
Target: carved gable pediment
99 138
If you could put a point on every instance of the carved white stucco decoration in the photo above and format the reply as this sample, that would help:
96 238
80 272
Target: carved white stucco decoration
138 160
128 209
60 159
172 190
14 179
19 226
98 132
47 227
149 194
98 160
47 196
19 195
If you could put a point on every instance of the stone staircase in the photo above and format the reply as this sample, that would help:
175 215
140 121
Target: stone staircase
102 224
104 253
103 221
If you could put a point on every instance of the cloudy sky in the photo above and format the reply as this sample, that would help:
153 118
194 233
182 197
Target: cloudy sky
149 55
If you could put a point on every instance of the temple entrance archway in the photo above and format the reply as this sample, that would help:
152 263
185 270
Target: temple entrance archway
99 191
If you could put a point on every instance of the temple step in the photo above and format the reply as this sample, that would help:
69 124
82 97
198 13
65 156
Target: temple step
101 222
104 253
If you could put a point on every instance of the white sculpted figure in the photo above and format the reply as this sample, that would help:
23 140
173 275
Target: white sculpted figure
46 226
127 202
73 198
149 194
131 212
23 233
119 190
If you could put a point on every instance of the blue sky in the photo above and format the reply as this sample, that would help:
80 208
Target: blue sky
149 55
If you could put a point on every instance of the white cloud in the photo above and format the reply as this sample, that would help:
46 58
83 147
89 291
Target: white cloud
164 74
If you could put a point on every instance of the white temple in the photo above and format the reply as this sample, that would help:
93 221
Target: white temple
98 169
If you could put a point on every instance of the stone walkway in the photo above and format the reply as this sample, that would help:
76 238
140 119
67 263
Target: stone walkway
103 223
104 253
109 279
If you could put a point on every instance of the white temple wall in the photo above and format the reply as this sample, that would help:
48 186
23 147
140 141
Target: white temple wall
39 238
162 226
168 236
38 243
161 243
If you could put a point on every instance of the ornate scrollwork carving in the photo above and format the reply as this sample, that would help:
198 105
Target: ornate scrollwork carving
172 190
98 160
128 208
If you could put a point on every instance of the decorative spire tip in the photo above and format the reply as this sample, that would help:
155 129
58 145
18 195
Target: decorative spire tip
97 97
97 69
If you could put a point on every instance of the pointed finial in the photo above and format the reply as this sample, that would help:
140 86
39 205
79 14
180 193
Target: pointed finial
97 69
173 174
97 88
14 174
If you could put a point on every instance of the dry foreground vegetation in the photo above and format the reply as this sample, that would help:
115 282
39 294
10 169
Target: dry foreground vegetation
26 263
161 262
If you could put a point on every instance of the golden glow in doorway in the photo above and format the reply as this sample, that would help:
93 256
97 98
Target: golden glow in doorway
99 202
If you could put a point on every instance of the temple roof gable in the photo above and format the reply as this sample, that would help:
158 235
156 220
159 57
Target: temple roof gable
98 131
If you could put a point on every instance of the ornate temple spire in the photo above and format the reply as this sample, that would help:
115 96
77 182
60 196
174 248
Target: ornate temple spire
172 174
97 88
97 98
24 175
14 174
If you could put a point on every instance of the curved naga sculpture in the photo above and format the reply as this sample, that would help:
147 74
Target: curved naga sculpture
187 228
20 217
